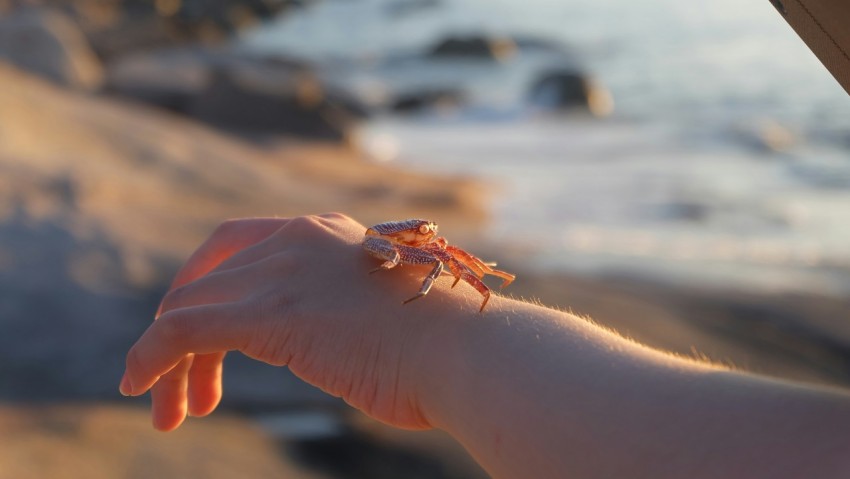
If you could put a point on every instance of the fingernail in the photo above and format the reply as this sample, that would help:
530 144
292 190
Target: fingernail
126 388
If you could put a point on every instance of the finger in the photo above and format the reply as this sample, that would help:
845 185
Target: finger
205 384
233 236
168 397
204 329
301 229
214 288
230 237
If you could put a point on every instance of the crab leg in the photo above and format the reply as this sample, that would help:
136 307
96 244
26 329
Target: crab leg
462 271
479 267
478 285
455 267
383 249
429 281
458 270
506 277
471 262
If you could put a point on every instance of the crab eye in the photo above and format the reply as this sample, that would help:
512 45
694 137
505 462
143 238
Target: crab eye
424 229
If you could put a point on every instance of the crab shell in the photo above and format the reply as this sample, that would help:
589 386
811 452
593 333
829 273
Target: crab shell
407 232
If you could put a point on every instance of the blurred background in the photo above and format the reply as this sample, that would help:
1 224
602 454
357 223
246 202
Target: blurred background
679 172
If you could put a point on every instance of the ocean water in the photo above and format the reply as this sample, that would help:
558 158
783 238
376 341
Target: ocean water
679 183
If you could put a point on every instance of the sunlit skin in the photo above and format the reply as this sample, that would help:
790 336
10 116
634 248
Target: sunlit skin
529 391
416 242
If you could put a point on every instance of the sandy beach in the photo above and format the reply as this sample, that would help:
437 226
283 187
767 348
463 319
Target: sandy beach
102 198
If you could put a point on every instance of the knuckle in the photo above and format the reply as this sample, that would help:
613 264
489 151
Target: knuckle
225 230
173 328
227 226
173 299
335 215
305 226
309 221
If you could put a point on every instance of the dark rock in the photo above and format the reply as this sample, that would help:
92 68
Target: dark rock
525 42
496 47
358 456
567 90
487 73
237 92
197 17
474 47
119 27
691 211
426 99
49 44
249 104
170 78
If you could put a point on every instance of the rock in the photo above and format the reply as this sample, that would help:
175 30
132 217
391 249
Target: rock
202 18
567 90
119 27
474 47
49 44
237 92
478 73
765 136
499 48
528 42
412 102
359 455
393 453
170 79
496 47
255 104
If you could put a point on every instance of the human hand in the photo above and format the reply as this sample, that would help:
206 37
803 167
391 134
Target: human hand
530 391
291 292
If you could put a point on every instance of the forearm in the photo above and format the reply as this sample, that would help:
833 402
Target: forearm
533 392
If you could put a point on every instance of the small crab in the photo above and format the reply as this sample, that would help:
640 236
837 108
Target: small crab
416 242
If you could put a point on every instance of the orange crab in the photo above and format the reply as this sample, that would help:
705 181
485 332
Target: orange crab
416 242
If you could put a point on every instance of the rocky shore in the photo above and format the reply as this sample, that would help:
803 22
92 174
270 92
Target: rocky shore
102 197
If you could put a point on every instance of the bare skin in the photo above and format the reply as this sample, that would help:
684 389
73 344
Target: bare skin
529 391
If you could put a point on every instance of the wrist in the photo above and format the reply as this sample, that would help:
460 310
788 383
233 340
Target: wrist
451 343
